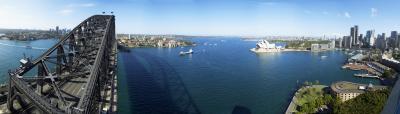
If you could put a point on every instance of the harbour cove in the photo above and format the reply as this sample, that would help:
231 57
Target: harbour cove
221 74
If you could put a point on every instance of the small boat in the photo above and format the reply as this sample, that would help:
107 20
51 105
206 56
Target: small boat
323 57
185 53
28 47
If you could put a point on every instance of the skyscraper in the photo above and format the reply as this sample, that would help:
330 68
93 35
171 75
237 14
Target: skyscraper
57 29
381 42
370 37
394 39
354 35
356 41
360 40
347 41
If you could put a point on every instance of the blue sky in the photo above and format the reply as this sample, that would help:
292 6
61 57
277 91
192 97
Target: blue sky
210 17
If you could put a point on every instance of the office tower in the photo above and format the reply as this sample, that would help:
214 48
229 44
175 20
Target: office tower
356 41
57 29
340 42
347 41
394 40
360 40
370 37
352 33
398 41
381 42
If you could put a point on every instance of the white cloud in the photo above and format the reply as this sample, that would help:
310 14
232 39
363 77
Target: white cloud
72 7
87 5
84 5
347 15
66 11
374 12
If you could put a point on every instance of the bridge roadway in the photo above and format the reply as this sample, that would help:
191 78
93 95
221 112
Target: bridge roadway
81 68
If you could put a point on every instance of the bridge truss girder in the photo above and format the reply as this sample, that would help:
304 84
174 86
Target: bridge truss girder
84 55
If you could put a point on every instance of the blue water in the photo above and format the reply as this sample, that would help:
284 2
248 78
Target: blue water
217 77
221 75
12 51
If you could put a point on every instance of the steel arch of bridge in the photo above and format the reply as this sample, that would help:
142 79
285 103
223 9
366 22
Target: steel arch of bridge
70 77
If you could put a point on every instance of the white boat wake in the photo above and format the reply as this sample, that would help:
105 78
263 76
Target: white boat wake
37 48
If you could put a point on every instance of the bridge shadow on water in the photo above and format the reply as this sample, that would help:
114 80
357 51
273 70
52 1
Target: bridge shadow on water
155 87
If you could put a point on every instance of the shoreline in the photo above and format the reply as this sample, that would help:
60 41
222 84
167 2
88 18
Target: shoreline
292 108
32 39
288 50
280 50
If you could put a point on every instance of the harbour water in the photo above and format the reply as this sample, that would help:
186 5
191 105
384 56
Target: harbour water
12 51
221 74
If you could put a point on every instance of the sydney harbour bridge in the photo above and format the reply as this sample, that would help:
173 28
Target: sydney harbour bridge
75 76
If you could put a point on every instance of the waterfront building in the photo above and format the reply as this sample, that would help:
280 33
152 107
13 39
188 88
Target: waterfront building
160 44
340 42
332 44
172 43
314 47
378 67
390 62
349 90
357 58
323 47
265 46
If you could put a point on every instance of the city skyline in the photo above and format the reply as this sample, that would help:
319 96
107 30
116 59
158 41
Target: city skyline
206 17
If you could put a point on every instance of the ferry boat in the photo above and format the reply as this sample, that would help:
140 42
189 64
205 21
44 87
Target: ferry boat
265 46
185 53
367 75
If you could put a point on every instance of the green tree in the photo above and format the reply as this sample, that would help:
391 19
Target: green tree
368 103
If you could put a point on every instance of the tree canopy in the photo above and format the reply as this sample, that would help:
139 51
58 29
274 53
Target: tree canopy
371 102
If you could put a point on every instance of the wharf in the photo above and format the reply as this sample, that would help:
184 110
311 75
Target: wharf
359 66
